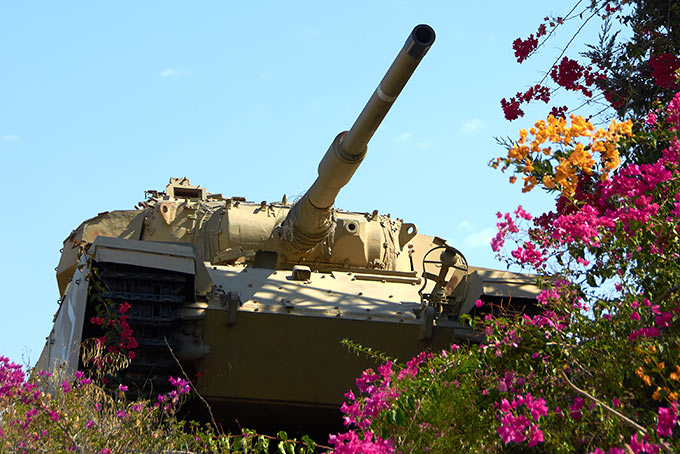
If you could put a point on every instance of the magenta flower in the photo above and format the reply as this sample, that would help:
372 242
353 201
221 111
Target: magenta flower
651 118
65 386
666 421
351 443
535 436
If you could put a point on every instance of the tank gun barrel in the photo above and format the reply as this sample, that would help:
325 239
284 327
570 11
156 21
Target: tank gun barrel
309 220
417 44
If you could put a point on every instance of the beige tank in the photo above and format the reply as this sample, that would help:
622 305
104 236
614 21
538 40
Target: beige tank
256 297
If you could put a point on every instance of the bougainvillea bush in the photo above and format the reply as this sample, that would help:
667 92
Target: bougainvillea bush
597 369
50 412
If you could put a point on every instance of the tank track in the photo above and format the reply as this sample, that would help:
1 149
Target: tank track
158 302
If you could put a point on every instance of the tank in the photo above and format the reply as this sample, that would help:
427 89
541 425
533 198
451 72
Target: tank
253 299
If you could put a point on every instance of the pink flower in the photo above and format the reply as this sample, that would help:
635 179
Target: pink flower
651 118
537 407
535 436
666 421
575 408
479 303
122 388
182 385
352 443
642 446
663 320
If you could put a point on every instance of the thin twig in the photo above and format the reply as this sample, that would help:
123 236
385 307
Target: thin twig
623 417
570 41
544 40
607 407
212 417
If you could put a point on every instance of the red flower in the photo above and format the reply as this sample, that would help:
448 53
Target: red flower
124 307
559 112
663 70
511 109
523 48
541 30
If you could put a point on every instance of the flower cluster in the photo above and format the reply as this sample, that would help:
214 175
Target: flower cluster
525 47
515 426
568 74
172 399
118 335
560 151
351 443
665 70
571 75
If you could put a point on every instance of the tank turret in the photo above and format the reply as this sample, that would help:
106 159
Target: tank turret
309 222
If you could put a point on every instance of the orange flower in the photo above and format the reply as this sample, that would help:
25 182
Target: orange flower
581 137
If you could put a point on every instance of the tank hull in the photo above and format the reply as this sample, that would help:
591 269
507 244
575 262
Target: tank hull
265 349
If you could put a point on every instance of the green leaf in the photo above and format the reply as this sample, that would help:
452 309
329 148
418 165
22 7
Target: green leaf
591 280
311 444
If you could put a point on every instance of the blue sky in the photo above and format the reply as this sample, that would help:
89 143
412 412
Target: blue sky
100 101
